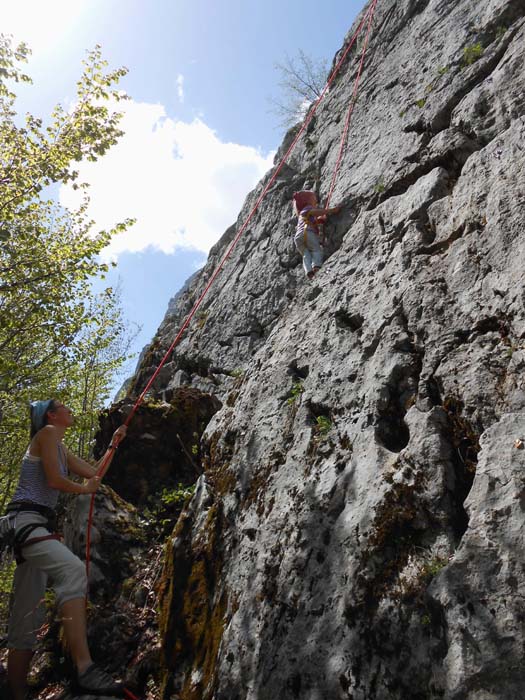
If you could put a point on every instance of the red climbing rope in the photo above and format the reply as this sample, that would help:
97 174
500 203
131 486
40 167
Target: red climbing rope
352 105
369 14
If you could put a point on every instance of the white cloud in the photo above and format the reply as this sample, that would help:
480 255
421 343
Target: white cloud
40 24
179 180
180 87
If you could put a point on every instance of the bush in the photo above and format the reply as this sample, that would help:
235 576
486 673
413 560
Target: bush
471 54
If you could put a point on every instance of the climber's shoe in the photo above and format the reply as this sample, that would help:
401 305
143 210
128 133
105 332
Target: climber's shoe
95 681
315 270
310 274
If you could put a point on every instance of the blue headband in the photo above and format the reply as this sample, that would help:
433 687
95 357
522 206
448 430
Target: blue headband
38 413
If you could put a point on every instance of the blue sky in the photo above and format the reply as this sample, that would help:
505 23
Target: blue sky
198 131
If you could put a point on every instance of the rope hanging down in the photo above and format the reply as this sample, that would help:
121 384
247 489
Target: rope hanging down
351 106
368 16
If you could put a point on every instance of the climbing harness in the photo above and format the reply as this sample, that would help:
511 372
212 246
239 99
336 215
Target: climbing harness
368 16
22 538
14 542
310 222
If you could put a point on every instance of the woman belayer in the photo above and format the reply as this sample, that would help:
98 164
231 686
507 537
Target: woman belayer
41 554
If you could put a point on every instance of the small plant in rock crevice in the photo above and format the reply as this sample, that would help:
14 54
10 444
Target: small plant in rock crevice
295 392
432 567
163 509
471 54
379 187
201 319
323 425
177 495
415 574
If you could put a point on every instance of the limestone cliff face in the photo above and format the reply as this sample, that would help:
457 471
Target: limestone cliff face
358 529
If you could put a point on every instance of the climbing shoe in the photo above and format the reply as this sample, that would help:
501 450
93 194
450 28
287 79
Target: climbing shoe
95 681
310 274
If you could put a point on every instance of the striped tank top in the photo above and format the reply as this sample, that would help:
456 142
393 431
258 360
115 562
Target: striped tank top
305 221
32 485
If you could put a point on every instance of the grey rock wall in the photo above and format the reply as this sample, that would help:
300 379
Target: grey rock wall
361 530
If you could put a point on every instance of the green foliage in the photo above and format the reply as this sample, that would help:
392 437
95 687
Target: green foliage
500 32
237 373
379 187
323 425
471 54
443 70
7 572
96 358
421 103
163 509
433 566
52 325
194 450
201 319
176 496
295 392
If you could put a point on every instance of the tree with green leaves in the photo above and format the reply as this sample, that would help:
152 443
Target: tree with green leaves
97 358
49 318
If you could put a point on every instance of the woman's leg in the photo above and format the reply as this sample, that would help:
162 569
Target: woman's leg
67 574
73 615
49 559
303 250
18 664
316 250
26 617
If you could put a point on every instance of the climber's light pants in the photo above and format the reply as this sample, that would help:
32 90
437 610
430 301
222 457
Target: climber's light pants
310 249
51 559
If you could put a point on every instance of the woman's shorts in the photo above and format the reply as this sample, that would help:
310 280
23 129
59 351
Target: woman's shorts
45 560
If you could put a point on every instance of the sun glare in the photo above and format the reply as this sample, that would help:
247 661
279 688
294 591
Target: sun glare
40 24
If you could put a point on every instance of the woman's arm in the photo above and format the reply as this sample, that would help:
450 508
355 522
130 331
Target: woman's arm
324 212
79 466
48 441
107 458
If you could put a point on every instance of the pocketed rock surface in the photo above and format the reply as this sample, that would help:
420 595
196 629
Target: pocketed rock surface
358 529
358 532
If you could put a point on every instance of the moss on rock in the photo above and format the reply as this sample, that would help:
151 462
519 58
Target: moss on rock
193 606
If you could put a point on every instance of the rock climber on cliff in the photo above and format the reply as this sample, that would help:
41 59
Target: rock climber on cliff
41 554
306 238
